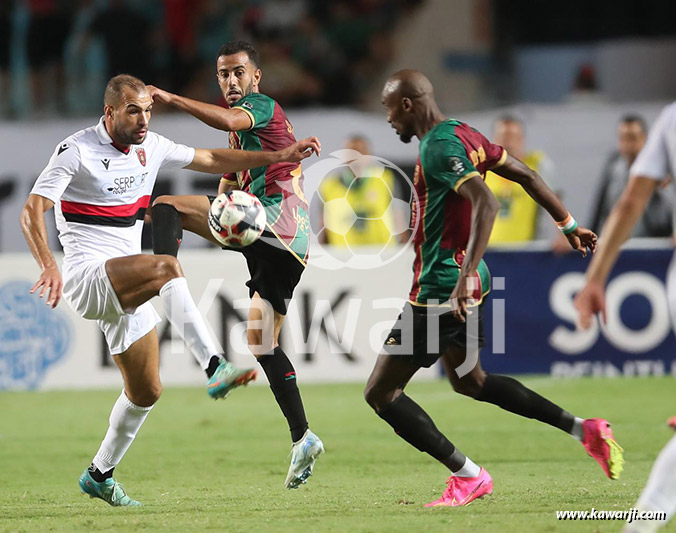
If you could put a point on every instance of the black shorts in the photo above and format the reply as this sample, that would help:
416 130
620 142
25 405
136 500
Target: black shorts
409 338
274 270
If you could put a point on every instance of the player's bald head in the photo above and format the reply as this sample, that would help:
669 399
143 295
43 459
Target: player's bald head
118 85
408 83
408 98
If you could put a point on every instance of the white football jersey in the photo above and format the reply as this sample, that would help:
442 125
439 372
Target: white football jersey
101 193
658 157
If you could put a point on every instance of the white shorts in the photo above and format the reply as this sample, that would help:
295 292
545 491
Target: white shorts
671 290
88 291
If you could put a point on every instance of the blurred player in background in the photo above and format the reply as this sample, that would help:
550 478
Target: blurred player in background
518 219
455 215
277 260
99 180
655 162
656 219
368 189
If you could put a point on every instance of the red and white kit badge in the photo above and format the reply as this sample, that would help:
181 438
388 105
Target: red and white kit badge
141 153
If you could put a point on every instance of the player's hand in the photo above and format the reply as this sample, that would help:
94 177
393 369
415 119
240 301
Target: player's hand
672 422
158 95
49 283
582 239
590 301
459 298
301 150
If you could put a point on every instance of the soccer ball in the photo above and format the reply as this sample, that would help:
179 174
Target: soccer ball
236 219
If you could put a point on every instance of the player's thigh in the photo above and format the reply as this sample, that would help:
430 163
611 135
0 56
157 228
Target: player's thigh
139 365
263 326
389 377
193 210
463 368
137 278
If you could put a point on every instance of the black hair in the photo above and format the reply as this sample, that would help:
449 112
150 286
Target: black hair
633 117
509 117
234 47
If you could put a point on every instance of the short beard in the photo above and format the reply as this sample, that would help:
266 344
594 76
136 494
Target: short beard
405 137
125 139
249 89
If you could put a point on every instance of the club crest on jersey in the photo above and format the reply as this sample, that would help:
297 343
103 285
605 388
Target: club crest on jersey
247 105
141 154
456 165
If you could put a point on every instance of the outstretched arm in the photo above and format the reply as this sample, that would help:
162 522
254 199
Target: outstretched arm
212 115
484 210
616 231
224 160
35 232
514 170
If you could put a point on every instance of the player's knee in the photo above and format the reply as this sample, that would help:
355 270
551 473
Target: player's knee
258 342
167 268
470 385
147 396
164 199
377 397
153 394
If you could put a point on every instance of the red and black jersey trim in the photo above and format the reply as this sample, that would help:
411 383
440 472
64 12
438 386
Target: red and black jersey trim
120 216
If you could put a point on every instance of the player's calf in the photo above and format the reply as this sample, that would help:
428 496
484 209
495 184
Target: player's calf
167 228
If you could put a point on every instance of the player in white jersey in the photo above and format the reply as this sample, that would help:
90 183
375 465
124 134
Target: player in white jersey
99 180
656 161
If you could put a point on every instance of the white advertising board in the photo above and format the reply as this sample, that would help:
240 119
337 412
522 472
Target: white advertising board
334 327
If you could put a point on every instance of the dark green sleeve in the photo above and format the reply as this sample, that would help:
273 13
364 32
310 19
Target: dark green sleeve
259 107
445 161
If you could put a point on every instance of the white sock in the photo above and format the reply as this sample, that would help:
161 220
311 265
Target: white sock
125 421
659 493
469 469
186 319
578 431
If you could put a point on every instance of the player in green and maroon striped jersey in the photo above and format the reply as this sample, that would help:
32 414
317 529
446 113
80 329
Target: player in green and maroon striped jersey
277 260
453 219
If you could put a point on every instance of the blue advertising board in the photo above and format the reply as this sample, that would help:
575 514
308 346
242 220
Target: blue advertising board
537 333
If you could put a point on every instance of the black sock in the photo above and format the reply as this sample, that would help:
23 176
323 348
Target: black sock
213 365
282 378
99 476
512 396
415 426
167 230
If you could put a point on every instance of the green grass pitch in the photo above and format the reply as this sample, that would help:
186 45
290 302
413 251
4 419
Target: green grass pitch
200 465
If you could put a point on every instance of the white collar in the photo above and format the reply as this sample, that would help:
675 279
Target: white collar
102 133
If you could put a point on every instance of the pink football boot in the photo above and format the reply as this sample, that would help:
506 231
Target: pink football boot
600 444
463 490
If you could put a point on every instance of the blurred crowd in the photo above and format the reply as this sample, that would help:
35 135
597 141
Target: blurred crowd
55 55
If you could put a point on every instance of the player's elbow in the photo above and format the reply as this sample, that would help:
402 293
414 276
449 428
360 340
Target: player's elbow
489 205
25 218
225 123
28 214
629 205
529 179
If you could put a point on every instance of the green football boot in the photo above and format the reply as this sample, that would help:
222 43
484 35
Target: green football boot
228 377
110 491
